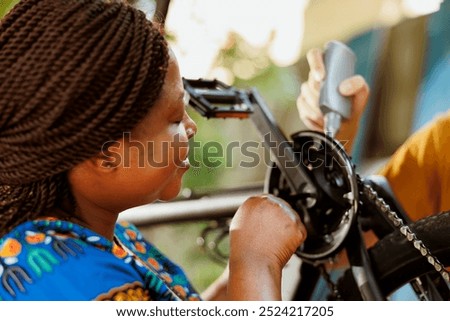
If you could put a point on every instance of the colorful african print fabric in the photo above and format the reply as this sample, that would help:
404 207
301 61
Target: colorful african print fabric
58 260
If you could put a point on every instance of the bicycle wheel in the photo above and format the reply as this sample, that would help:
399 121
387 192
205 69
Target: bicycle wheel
396 261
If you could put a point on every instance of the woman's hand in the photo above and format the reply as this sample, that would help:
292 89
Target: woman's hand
264 234
354 87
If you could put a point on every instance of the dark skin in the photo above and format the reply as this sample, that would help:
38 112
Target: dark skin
98 183
264 233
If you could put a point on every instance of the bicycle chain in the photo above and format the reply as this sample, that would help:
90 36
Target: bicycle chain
405 230
334 291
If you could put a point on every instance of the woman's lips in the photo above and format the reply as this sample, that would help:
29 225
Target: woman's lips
185 163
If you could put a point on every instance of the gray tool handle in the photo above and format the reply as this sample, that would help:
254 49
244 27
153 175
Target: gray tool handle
339 65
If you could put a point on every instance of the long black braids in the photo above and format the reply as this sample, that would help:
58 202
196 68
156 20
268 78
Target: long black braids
73 75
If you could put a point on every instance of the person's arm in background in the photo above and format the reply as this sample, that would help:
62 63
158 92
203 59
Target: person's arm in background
418 172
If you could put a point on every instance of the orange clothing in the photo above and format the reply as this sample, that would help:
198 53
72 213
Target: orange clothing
419 171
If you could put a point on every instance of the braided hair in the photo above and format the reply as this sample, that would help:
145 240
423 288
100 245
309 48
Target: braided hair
73 75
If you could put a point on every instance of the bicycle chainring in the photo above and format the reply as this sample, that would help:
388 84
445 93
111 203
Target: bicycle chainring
329 213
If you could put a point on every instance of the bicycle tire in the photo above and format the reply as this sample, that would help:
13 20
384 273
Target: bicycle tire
395 261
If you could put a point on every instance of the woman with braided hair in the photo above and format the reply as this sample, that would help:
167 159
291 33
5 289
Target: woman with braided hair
82 84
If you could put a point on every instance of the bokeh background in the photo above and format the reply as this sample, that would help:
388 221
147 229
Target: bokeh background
402 48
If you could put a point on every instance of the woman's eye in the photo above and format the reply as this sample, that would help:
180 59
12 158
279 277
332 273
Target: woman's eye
178 120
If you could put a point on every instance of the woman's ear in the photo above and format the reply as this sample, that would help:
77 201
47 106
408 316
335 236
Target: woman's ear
97 168
109 158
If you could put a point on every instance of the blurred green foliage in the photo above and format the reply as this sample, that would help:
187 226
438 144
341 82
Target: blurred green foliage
6 5
279 86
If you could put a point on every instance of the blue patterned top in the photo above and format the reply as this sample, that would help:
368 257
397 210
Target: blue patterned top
51 260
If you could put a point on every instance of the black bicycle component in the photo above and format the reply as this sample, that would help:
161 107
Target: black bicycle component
361 267
330 218
371 218
212 238
313 173
395 262
310 275
214 99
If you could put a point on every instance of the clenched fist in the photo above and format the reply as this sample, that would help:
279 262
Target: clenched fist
264 234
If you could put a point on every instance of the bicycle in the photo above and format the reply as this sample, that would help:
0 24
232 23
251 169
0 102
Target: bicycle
336 205
315 175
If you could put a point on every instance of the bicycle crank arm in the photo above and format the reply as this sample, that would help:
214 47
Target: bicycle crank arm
214 99
281 149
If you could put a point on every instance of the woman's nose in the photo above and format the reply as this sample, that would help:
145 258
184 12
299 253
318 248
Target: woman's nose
191 126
